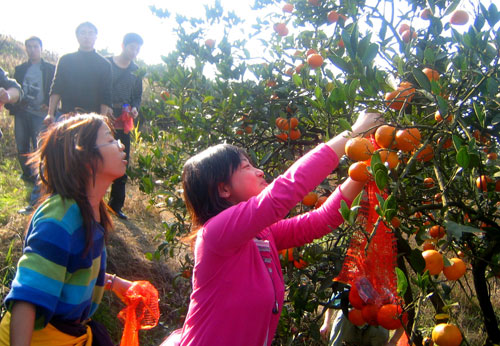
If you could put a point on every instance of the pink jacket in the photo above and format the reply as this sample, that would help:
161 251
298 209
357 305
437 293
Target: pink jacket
237 278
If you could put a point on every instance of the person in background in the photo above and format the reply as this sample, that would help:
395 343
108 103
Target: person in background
82 82
238 229
127 94
10 91
35 76
61 275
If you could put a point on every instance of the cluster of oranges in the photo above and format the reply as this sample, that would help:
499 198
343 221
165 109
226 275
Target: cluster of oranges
288 256
288 128
245 127
313 200
389 316
434 263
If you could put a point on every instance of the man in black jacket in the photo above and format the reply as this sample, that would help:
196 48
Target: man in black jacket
35 76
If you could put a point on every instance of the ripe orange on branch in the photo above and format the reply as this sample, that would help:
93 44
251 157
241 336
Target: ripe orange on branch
356 317
310 199
482 182
210 43
391 316
294 134
459 17
359 149
358 171
400 97
433 261
385 135
408 139
426 154
456 270
403 28
445 334
428 182
281 29
391 157
294 122
408 35
333 17
437 232
321 200
315 60
288 8
431 74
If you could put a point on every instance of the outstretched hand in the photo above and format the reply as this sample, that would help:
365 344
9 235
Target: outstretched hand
367 123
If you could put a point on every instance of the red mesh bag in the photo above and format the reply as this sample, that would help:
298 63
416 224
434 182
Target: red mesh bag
141 312
371 257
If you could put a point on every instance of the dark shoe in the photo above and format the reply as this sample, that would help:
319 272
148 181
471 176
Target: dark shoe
120 214
25 211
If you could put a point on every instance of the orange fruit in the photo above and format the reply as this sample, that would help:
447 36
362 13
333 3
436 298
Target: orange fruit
395 222
433 261
294 134
385 135
445 334
391 316
289 71
299 68
456 270
356 317
282 136
300 264
355 299
310 199
311 51
437 232
315 60
341 44
282 123
428 182
294 122
210 43
165 95
270 83
281 29
426 154
320 201
497 185
459 17
248 129
461 254
359 149
492 156
186 273
403 28
333 17
431 74
369 313
408 35
358 171
288 8
426 14
428 246
482 182
439 118
287 254
239 132
446 144
391 157
313 2
397 98
408 139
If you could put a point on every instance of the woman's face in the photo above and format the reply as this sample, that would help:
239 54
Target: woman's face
246 182
113 164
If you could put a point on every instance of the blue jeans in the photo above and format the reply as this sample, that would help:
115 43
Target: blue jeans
26 129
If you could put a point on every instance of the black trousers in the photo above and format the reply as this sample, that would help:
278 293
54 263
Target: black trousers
117 195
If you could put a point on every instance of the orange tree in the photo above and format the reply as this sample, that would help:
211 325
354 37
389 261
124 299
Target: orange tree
431 69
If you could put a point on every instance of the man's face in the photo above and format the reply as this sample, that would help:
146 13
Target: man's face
131 50
34 51
86 37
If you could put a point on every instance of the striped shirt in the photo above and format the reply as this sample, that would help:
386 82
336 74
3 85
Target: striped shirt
53 273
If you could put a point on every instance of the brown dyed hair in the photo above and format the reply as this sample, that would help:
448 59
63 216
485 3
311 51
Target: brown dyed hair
67 161
201 176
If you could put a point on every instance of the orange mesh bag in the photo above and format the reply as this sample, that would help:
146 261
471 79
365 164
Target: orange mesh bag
141 312
371 257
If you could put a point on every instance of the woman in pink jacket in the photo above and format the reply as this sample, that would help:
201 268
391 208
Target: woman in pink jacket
238 229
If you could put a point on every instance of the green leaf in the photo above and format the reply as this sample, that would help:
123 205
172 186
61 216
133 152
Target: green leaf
375 160
463 159
443 105
479 113
344 124
344 210
452 7
390 203
266 158
341 64
492 86
422 79
457 142
297 80
357 200
370 54
381 179
446 261
456 229
380 200
417 261
402 282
